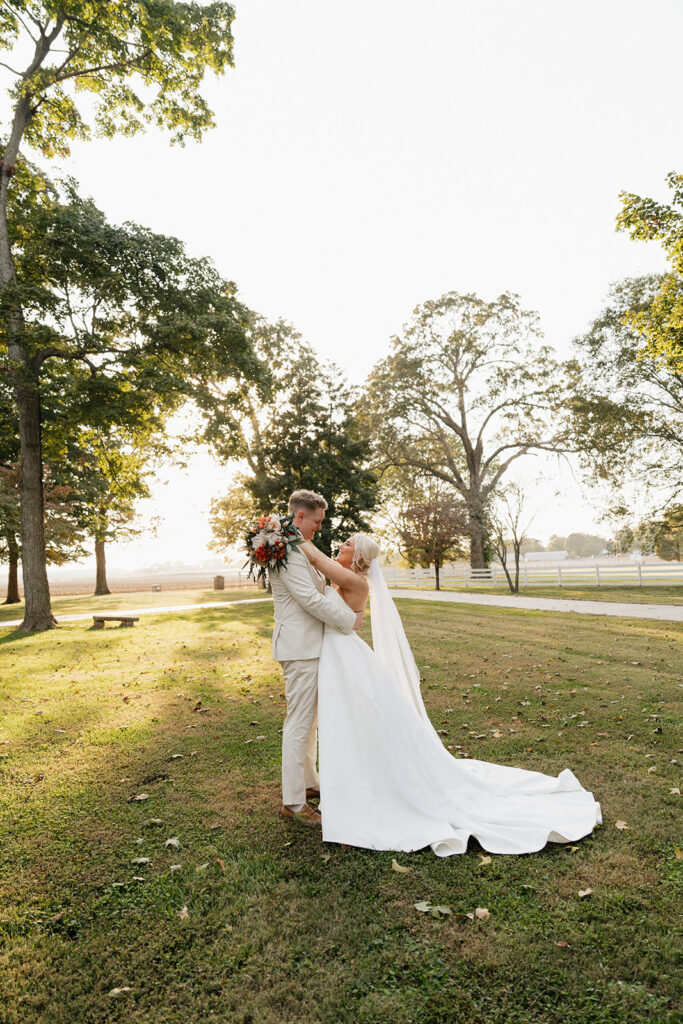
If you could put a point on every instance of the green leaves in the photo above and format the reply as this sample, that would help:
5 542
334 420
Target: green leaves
142 63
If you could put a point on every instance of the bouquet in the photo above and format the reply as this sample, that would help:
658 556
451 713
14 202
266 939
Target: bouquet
269 541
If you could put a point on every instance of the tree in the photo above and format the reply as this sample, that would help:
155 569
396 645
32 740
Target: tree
664 536
138 62
585 545
659 322
669 537
471 377
557 543
432 530
132 322
63 531
231 516
509 527
627 404
113 467
622 541
307 437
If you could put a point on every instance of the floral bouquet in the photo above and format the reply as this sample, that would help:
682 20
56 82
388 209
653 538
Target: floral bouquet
269 541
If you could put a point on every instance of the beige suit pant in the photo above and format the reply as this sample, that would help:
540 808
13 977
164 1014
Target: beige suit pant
300 731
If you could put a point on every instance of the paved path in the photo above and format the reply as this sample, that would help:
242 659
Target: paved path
82 616
672 613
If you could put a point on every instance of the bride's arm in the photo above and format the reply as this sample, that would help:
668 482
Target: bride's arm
345 578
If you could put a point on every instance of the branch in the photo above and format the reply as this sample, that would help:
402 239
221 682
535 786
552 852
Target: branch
21 20
13 70
117 66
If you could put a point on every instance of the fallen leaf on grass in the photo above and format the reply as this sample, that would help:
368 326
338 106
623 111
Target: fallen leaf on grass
560 943
175 867
202 867
140 796
395 866
197 706
583 893
176 757
621 825
678 854
116 993
675 791
480 914
326 857
154 821
427 908
174 843
483 860
221 864
184 914
57 917
140 860
572 848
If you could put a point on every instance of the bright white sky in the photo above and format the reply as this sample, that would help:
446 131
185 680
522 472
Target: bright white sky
373 155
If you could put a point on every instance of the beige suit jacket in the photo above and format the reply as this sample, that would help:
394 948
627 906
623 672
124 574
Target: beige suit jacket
301 607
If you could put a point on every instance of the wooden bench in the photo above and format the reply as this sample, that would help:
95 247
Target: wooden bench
98 621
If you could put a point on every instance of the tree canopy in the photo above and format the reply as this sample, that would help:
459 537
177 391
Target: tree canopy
659 321
308 437
472 382
626 402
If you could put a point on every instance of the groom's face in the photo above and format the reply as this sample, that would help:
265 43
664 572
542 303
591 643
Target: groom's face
309 521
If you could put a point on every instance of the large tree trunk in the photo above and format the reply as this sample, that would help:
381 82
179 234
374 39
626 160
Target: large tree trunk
13 576
436 574
101 562
38 614
476 531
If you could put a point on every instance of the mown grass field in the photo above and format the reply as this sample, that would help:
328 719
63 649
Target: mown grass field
276 927
78 603
620 595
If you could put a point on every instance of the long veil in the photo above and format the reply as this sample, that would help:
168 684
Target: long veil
389 640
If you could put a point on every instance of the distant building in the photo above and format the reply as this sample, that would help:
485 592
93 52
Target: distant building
545 556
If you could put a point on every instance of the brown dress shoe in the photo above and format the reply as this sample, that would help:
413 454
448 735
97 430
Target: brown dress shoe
306 815
312 794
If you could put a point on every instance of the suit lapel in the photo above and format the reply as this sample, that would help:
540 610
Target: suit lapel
318 578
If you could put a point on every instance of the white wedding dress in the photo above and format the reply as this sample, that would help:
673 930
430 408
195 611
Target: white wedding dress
388 783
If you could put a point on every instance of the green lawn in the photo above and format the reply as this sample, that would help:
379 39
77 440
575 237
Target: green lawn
279 928
630 595
134 599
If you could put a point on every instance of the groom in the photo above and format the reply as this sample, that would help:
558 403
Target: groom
301 607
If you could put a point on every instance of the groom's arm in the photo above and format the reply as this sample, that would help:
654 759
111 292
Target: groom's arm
296 578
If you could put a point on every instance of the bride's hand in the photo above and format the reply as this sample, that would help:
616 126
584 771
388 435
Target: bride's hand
310 551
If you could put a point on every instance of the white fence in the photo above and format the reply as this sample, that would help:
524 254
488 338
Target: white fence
566 574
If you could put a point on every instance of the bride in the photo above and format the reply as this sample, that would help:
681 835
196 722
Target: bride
386 780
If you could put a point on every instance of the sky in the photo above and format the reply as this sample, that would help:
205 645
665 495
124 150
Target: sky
372 155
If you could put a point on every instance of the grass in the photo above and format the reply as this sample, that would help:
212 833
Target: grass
628 595
117 602
279 927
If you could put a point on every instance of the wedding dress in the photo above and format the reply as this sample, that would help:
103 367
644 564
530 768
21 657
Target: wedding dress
388 783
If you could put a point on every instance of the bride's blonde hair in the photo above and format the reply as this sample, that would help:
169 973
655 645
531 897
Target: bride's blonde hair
364 550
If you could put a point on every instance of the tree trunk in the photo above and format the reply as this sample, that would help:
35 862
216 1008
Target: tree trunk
101 574
517 553
38 614
436 574
13 576
476 531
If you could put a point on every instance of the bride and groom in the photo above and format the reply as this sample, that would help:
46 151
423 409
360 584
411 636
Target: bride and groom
385 780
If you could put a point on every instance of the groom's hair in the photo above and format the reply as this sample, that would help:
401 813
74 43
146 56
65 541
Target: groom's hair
308 500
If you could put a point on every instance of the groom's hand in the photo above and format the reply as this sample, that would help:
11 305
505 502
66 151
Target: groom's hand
359 620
